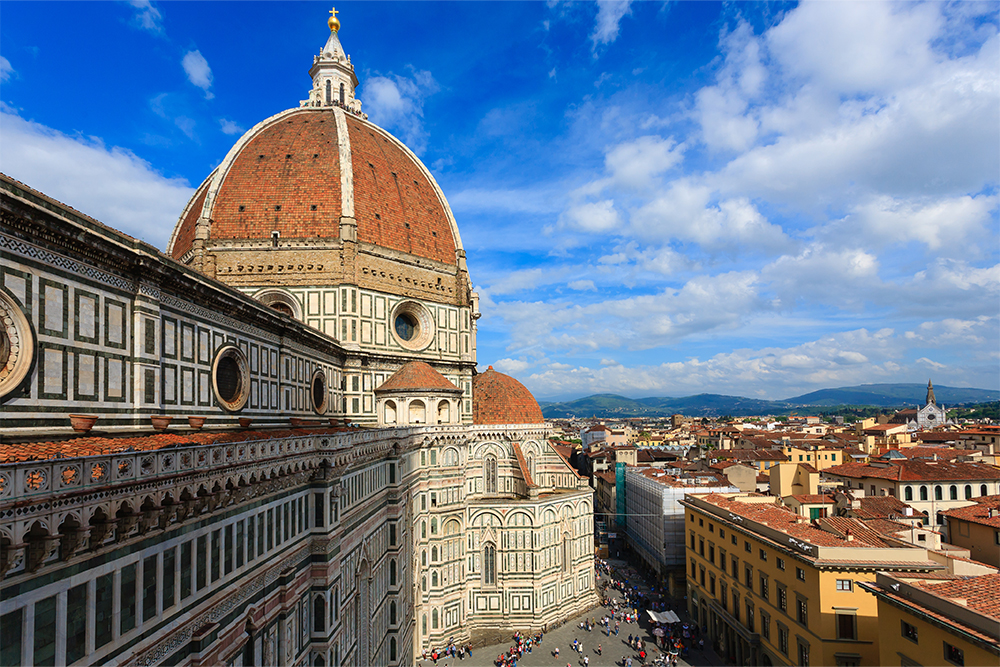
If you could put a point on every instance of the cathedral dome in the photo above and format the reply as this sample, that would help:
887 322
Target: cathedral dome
500 399
417 376
293 177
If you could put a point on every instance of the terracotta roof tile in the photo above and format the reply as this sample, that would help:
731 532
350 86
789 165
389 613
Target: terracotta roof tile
979 513
416 376
500 399
917 470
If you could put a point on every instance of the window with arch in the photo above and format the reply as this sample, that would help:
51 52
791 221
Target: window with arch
342 96
450 457
392 572
329 92
968 491
490 474
319 614
983 491
489 564
434 581
434 619
908 493
434 554
390 412
953 492
938 493
940 519
423 624
392 648
444 412
392 613
418 412
423 558
423 529
531 467
423 583
923 493
434 526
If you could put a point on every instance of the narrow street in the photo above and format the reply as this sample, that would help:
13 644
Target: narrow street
614 649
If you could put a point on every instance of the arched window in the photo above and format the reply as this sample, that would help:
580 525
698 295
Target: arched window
490 474
938 493
423 558
423 624
392 648
968 491
329 92
908 493
983 491
319 614
434 579
434 619
392 613
423 529
434 554
434 526
923 493
423 583
489 564
390 412
940 519
418 412
341 94
531 468
953 492
392 572
444 412
566 555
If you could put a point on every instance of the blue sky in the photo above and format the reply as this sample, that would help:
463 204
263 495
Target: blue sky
656 198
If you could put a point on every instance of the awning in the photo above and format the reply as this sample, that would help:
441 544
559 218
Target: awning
663 616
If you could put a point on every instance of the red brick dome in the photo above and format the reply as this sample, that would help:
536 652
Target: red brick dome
299 172
417 376
500 399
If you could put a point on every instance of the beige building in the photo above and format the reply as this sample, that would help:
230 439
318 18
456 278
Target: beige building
976 527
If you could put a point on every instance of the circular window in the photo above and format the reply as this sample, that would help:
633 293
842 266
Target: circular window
17 345
231 378
319 394
412 325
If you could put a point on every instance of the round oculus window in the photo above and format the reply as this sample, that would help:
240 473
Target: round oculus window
17 345
406 326
231 378
412 325
318 391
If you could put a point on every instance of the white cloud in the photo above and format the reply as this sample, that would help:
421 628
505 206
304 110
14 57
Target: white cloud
607 23
230 126
112 184
6 71
511 366
147 16
582 285
397 102
594 217
198 72
637 164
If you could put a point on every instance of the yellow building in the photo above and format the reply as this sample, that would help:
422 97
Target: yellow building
977 528
774 588
940 621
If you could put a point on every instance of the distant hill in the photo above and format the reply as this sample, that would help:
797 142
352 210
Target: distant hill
716 405
894 395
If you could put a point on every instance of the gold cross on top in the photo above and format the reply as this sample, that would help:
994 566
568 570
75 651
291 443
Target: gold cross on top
334 12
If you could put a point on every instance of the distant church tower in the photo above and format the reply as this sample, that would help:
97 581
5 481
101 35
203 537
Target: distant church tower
932 414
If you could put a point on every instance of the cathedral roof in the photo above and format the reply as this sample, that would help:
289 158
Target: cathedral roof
306 174
417 376
500 399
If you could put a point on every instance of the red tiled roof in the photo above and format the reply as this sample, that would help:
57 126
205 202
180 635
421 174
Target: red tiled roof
978 593
500 399
287 178
880 507
813 498
416 376
978 513
917 470
95 445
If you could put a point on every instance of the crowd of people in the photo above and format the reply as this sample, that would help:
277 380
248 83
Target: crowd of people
625 600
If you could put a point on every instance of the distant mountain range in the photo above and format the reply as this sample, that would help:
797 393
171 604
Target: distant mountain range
715 405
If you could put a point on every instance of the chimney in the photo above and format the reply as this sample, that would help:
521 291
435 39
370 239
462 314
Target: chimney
848 535
908 511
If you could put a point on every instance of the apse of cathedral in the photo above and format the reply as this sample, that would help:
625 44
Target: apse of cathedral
269 445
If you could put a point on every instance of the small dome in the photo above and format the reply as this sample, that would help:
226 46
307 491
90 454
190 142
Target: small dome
417 376
500 399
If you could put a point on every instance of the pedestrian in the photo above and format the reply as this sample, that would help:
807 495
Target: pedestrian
598 649
556 652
